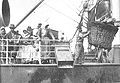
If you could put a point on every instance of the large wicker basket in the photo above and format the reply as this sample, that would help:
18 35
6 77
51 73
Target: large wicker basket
102 34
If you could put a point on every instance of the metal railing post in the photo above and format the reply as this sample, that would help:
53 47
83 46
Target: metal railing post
7 52
39 51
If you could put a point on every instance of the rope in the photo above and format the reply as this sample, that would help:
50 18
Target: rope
73 35
61 13
70 8
82 11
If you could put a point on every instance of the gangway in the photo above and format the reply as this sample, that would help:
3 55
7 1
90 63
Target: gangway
64 56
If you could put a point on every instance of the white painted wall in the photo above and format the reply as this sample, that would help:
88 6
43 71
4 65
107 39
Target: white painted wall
115 9
116 14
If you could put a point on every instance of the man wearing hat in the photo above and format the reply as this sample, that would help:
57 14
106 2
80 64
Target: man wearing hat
47 32
2 32
39 25
39 31
30 30
11 34
13 40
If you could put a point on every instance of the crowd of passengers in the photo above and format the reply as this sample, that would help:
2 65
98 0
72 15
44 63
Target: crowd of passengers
28 39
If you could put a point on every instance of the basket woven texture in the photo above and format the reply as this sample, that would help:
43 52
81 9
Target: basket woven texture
101 34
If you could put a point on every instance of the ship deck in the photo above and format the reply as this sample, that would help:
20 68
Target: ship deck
55 65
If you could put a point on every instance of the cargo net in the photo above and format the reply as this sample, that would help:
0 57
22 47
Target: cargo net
28 51
101 34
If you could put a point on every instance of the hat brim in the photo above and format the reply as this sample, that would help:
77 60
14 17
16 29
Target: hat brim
12 27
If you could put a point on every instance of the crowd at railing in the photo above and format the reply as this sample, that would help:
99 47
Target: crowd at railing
28 48
31 52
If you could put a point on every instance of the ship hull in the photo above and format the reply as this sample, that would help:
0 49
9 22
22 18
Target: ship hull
52 74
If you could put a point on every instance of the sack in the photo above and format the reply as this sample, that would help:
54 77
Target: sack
102 34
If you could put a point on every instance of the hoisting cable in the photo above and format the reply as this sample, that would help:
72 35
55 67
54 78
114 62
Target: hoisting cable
69 18
74 4
78 25
70 8
61 13
73 35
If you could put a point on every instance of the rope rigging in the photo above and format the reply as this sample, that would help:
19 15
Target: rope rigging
61 13
72 7
82 16
80 24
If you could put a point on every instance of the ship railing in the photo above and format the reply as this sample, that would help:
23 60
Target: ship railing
29 51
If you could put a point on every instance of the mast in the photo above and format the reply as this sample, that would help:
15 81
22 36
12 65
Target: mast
29 13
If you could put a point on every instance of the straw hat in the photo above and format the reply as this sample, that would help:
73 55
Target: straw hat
39 25
12 26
